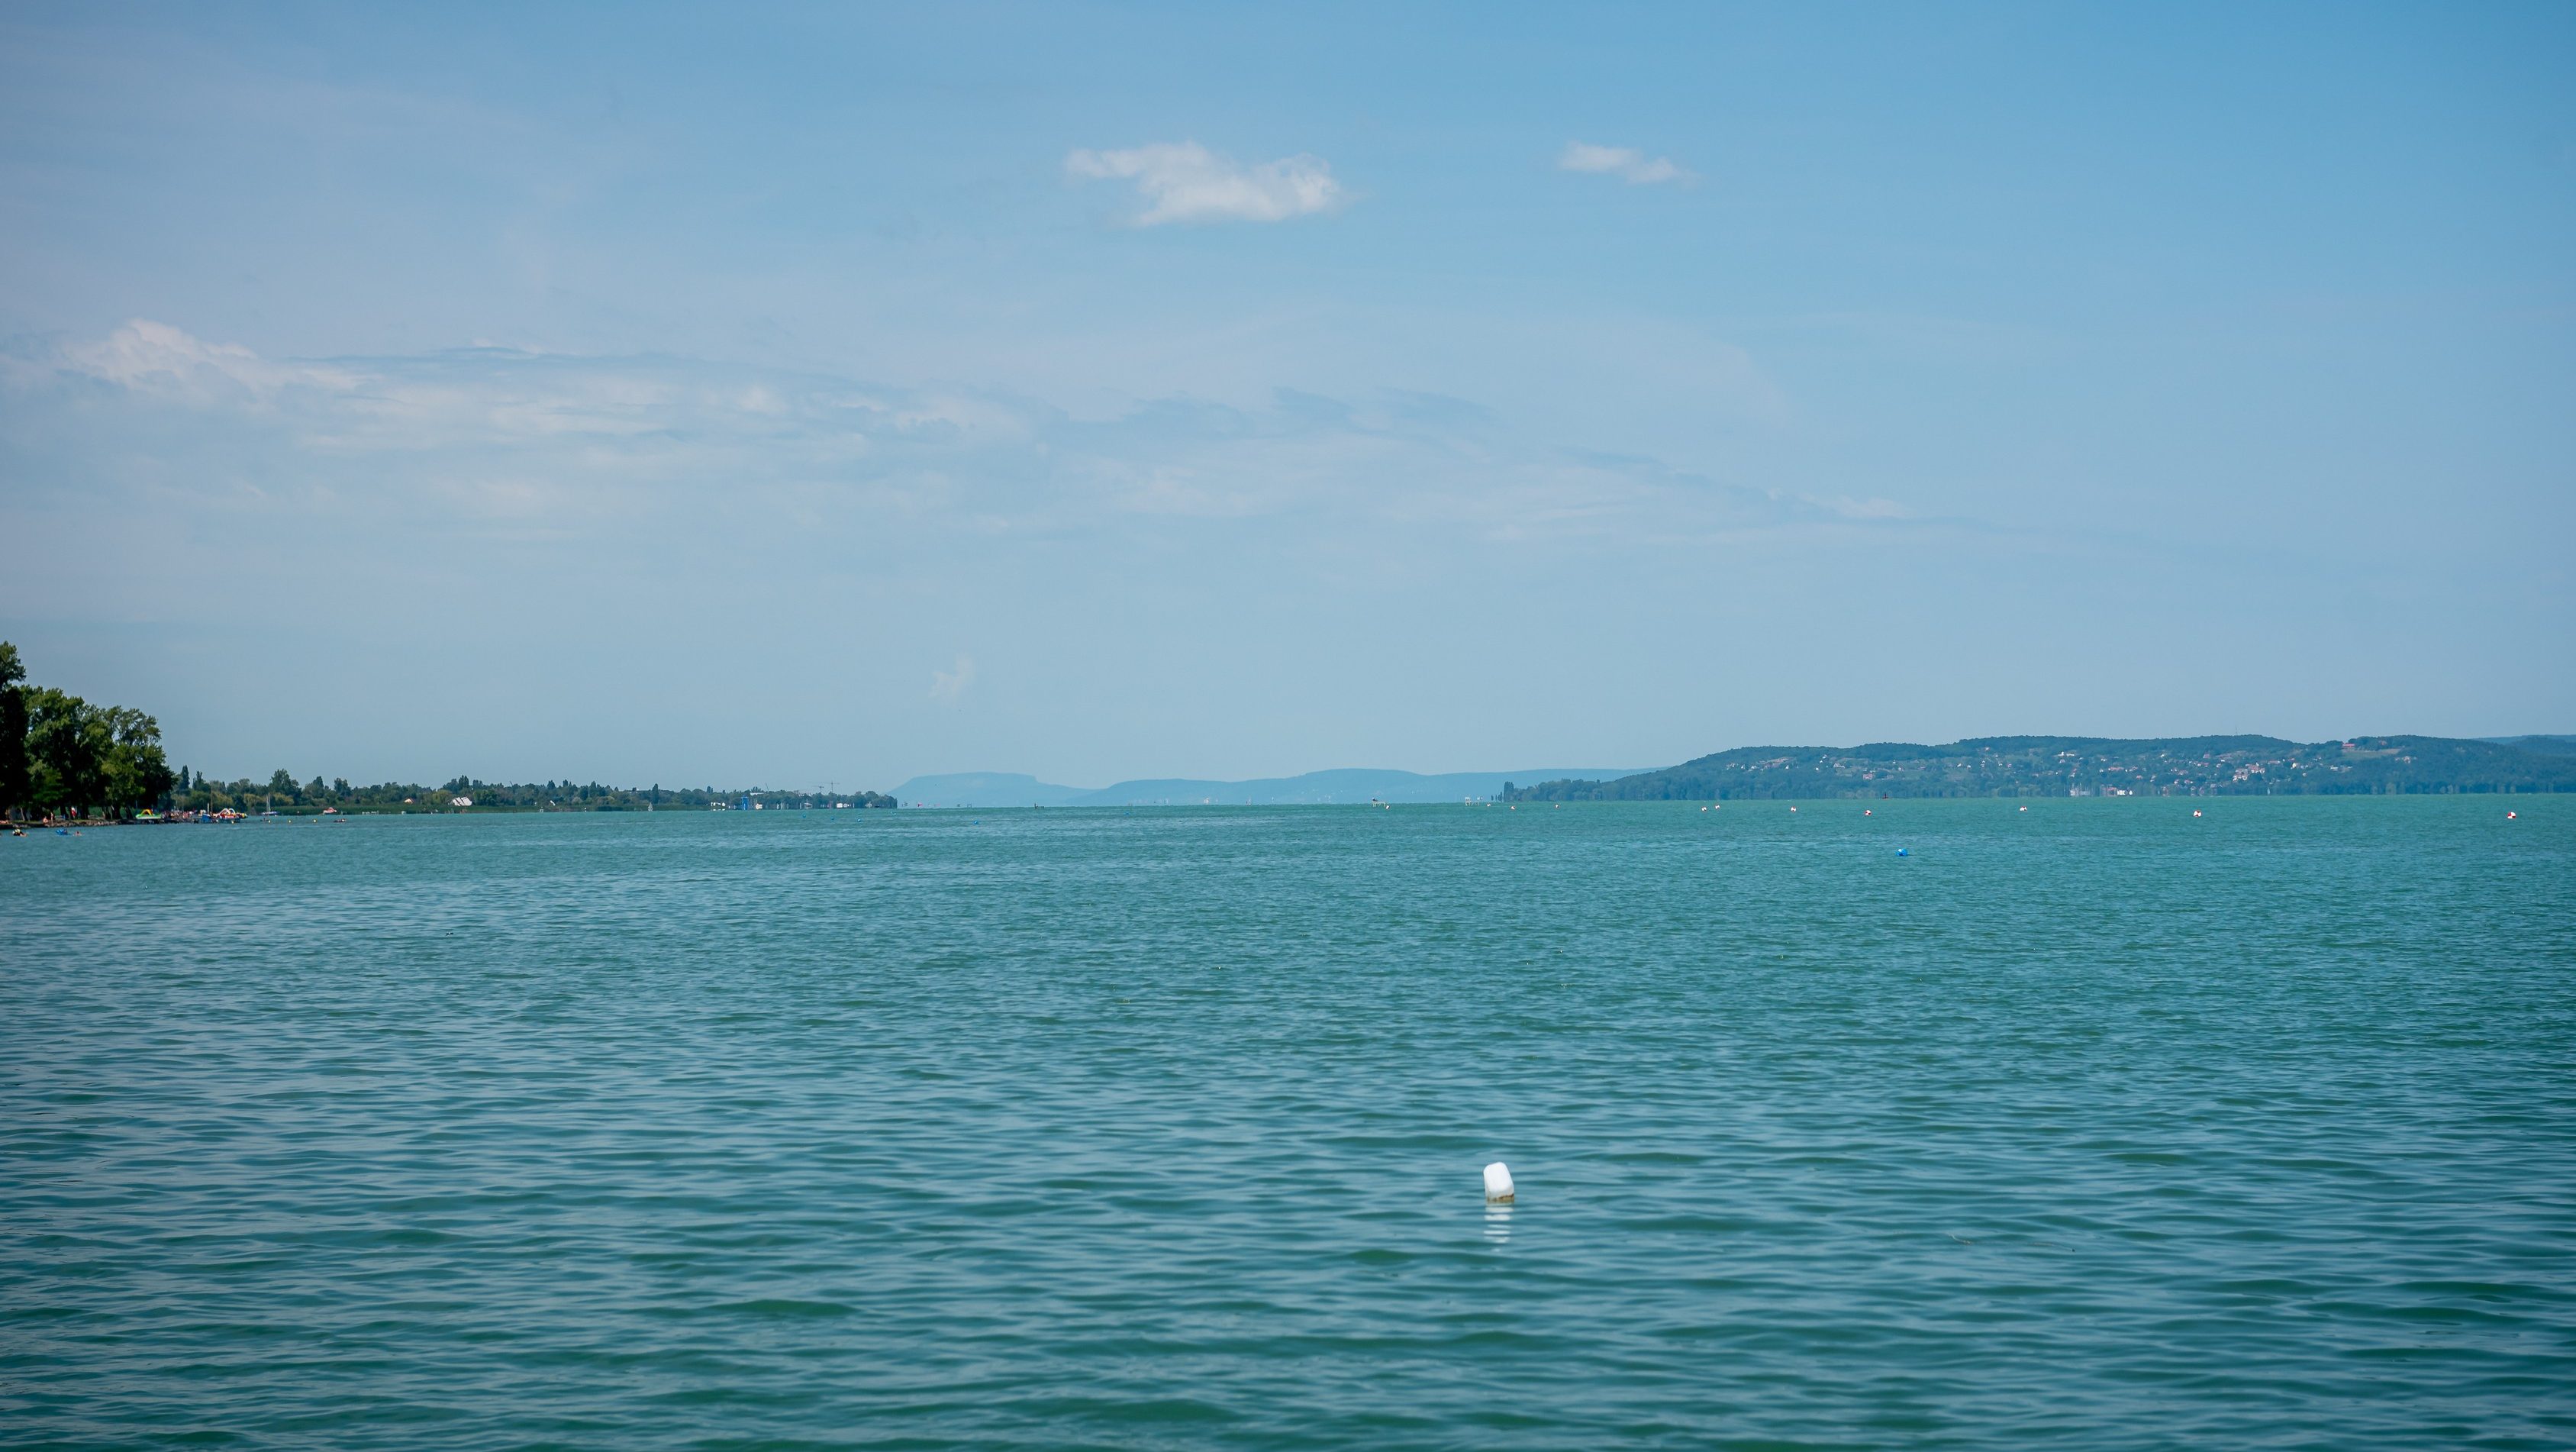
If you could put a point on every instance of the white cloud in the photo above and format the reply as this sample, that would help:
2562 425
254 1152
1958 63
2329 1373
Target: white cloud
1624 162
946 686
1182 181
156 356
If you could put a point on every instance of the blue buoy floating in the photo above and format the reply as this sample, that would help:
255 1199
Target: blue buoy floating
1901 852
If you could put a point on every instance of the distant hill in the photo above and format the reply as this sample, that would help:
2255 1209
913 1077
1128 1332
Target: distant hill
985 789
2088 766
2544 745
1357 784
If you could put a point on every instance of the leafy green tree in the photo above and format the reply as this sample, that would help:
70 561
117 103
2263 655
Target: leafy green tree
133 772
68 741
16 791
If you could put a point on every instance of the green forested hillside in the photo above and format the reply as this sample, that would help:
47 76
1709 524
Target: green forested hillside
2087 766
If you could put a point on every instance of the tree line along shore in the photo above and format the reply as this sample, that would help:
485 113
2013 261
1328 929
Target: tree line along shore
64 760
285 796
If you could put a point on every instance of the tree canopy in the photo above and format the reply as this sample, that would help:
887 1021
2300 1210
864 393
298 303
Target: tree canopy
62 756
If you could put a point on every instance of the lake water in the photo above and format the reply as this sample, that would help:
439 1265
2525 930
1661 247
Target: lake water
2095 1125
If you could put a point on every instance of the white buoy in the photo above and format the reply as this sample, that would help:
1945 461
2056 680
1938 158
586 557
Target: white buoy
1498 1181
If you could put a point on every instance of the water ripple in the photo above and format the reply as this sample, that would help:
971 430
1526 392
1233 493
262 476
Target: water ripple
2089 1126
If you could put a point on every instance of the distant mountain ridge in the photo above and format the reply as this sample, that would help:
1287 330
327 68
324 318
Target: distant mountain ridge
986 789
1350 784
2543 745
2093 766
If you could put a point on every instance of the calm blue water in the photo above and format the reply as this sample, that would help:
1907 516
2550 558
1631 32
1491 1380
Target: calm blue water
2092 1126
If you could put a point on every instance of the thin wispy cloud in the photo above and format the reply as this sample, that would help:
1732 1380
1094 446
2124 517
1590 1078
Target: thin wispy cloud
503 443
1624 162
1182 181
147 355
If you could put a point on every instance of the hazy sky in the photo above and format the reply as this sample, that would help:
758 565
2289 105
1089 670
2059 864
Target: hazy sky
789 395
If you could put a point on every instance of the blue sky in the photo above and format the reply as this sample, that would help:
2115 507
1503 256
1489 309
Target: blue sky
794 395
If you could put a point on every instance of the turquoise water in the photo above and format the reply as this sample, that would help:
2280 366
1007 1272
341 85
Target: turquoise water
2093 1126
